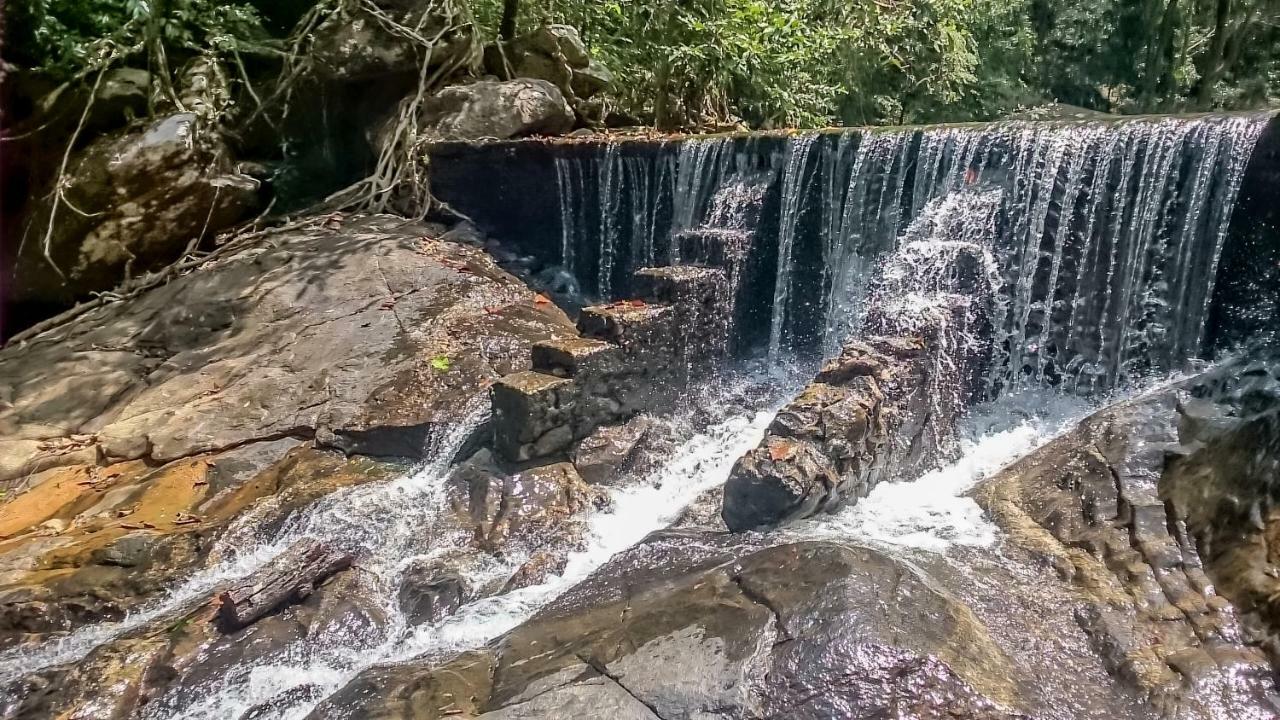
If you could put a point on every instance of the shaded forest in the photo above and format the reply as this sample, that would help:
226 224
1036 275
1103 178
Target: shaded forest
705 63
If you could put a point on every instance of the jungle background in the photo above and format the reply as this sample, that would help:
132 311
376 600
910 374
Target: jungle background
697 63
136 134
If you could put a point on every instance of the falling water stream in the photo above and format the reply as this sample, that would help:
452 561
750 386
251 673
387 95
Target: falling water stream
1101 241
1108 233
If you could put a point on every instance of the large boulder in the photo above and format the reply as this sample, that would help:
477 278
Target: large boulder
133 200
366 41
562 41
492 109
810 630
129 434
556 54
1154 508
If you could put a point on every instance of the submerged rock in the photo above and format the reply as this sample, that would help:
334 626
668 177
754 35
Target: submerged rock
429 592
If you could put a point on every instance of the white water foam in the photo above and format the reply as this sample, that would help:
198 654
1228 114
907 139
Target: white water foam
933 513
326 665
382 516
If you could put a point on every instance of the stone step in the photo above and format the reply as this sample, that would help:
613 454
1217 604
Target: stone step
714 247
635 326
532 415
572 356
694 285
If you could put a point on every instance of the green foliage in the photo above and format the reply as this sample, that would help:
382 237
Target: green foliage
807 62
792 62
771 63
62 37
1159 55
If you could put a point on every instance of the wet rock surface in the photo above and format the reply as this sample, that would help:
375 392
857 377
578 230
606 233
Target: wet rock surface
1144 510
720 628
861 420
131 438
609 453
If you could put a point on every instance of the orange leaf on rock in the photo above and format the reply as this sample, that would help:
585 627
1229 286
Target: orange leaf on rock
781 450
540 299
636 303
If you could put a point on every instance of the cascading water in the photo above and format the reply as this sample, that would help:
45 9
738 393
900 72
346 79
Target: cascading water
861 219
388 526
1108 238
1097 243
384 525
794 176
941 284
610 204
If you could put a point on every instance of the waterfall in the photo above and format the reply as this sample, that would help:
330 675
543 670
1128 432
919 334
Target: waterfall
794 177
1108 242
610 205
565 171
941 284
861 217
1107 238
700 166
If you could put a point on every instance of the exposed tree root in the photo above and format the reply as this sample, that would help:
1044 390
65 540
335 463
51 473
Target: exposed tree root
397 184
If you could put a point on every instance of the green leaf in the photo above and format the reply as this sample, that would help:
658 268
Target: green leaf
441 363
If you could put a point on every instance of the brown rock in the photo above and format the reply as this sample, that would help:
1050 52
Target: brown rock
602 457
140 197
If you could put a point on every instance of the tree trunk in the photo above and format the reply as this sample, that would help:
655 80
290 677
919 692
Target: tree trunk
288 579
507 29
1158 65
1217 51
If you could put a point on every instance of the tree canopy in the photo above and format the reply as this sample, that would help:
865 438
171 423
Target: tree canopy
771 63
812 62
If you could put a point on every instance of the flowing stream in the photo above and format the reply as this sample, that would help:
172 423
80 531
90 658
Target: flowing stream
1100 242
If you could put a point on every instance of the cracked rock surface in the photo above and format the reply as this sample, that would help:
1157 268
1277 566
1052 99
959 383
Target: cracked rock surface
132 436
718 628
1158 511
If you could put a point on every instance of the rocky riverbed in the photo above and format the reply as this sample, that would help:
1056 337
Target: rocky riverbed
330 383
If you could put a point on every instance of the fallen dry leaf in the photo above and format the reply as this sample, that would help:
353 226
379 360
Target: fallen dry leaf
781 450
540 299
